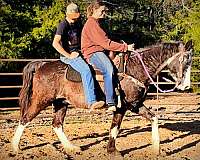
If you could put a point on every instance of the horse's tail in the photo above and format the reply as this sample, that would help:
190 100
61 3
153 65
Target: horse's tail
26 91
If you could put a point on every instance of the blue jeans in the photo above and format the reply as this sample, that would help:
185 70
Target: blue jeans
102 62
88 82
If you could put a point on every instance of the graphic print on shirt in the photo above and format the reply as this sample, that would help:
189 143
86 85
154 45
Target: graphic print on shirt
73 39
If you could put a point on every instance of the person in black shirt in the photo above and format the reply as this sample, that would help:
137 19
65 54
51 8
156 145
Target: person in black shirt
67 43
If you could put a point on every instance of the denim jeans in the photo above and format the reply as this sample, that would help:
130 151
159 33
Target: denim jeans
102 62
88 82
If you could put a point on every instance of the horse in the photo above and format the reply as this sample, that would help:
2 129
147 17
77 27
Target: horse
44 84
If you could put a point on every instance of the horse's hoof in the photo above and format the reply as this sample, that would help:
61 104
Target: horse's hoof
15 148
73 149
12 154
116 155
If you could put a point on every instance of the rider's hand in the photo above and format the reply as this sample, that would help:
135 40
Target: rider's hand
116 61
74 55
111 55
131 47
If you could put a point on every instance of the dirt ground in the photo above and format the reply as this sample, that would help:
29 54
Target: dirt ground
179 127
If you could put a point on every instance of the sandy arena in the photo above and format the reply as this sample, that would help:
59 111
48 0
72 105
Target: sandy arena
179 127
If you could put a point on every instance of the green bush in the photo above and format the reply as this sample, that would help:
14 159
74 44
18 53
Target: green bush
27 27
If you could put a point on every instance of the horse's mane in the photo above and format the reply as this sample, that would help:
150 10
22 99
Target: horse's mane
167 47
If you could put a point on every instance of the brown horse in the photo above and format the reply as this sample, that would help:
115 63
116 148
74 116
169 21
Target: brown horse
44 84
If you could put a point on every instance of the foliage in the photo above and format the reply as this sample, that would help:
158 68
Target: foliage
185 25
14 26
134 21
47 19
27 27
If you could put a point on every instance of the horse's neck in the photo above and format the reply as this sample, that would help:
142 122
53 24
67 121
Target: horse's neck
151 61
165 55
154 59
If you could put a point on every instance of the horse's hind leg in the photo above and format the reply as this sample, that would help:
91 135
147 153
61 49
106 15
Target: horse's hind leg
25 119
114 130
60 109
145 112
17 136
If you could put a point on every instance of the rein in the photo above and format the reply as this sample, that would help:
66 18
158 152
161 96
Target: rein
159 69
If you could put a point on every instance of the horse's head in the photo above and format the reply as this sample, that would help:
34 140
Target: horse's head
180 63
144 65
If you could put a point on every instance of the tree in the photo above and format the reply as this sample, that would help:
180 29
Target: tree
14 28
185 25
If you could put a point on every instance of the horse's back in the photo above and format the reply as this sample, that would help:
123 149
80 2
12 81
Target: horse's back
55 67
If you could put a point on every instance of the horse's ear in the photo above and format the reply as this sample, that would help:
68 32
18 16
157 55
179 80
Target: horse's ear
189 45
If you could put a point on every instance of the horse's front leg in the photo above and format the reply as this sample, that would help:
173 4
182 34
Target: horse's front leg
59 115
114 130
146 113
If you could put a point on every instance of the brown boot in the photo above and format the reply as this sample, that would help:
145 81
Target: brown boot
96 105
111 108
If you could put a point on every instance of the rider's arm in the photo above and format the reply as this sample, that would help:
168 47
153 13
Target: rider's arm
58 46
99 37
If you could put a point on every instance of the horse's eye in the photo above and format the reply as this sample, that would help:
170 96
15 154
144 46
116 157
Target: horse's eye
186 58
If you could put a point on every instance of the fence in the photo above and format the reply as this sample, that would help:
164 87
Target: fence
12 98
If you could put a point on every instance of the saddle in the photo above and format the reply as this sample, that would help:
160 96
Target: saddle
72 75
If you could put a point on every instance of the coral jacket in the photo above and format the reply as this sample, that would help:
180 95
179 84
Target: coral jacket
94 39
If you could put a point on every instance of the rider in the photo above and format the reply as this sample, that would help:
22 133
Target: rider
67 43
93 43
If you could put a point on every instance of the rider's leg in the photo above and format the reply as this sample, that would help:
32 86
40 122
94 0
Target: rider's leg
88 83
102 62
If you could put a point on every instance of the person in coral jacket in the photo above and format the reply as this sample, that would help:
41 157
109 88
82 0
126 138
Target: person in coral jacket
94 42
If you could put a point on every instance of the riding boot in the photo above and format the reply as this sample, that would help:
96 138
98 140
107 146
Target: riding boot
111 107
96 105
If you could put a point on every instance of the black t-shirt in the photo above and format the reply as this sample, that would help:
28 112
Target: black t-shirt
70 35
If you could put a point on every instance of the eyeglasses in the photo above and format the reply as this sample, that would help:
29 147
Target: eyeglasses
104 10
74 19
